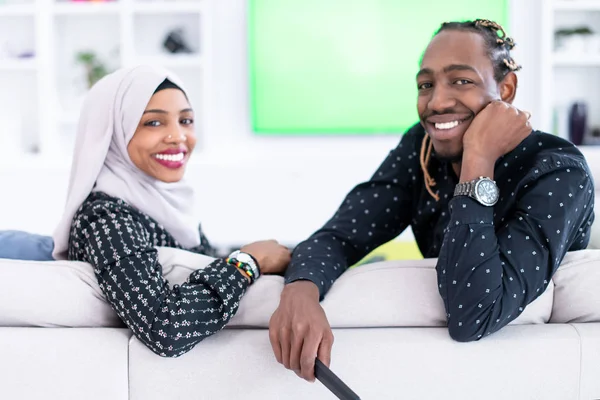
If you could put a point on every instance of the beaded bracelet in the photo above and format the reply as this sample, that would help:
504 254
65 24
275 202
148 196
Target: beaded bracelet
245 268
249 259
256 265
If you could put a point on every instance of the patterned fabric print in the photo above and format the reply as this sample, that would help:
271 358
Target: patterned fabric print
493 261
120 242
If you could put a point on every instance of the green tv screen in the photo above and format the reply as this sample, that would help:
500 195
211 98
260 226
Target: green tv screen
344 66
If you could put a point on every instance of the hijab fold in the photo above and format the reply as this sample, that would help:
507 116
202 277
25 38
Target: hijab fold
109 118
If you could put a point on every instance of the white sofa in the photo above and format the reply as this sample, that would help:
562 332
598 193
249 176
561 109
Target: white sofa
61 340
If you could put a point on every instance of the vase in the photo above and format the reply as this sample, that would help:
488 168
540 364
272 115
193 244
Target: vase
577 123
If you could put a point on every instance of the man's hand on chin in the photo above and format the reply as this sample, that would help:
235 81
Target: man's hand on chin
495 131
299 330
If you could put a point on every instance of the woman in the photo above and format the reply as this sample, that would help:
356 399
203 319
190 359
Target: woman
127 196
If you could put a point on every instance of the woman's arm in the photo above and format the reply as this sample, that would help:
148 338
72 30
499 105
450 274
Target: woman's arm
170 321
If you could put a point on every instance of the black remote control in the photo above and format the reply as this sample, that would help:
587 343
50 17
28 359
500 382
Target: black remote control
333 383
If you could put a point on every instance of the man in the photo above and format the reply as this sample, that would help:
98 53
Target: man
497 243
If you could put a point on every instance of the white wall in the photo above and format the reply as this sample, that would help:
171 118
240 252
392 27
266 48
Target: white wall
525 28
253 187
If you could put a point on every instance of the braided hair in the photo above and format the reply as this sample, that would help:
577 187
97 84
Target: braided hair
498 47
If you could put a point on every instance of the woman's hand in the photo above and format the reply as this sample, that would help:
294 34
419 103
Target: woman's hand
272 257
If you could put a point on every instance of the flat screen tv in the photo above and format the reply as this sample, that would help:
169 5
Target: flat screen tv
344 67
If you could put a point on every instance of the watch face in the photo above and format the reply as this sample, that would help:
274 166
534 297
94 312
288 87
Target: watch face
243 257
487 192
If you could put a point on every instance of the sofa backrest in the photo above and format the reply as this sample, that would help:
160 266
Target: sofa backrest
386 294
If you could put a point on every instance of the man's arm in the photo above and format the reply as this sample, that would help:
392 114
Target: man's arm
486 276
372 213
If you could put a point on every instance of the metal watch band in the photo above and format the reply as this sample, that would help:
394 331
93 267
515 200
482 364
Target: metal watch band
464 188
472 190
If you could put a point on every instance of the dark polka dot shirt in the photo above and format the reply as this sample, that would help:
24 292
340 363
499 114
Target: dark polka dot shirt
492 261
120 242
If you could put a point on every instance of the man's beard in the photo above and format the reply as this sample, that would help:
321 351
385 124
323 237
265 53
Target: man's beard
450 158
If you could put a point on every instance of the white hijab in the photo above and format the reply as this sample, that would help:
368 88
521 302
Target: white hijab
110 115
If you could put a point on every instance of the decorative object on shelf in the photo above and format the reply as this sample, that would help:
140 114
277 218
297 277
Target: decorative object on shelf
95 69
7 51
578 40
25 54
577 122
175 42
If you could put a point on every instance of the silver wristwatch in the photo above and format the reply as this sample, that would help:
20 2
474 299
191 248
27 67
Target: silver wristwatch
246 259
482 189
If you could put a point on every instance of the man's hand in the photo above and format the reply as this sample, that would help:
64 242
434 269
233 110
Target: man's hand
299 330
494 132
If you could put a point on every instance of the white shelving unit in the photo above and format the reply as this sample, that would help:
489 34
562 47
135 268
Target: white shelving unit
569 76
18 65
41 94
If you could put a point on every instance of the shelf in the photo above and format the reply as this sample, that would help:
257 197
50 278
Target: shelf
16 10
91 8
141 7
576 60
133 31
172 61
25 64
577 5
35 161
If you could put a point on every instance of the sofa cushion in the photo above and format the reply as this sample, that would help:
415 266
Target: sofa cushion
589 335
519 362
402 293
390 293
52 294
577 288
66 293
90 364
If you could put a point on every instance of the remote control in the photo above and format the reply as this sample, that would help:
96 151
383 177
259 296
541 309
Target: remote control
333 383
